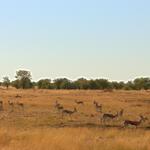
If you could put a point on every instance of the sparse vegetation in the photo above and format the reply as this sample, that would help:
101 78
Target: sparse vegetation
30 120
6 82
23 80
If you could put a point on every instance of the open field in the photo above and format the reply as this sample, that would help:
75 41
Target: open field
38 125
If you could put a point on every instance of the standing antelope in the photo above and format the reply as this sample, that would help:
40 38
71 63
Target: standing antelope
1 105
69 112
60 108
121 112
97 106
134 123
79 102
11 104
21 105
109 116
56 104
1 102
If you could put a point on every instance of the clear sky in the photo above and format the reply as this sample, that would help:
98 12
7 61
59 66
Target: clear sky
80 38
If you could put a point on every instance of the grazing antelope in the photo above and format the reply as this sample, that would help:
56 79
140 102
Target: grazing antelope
79 102
134 123
69 112
92 115
18 96
97 106
109 116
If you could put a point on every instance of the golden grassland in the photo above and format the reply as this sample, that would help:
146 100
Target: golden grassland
74 139
39 126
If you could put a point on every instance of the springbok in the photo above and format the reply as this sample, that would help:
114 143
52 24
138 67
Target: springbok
11 104
69 112
121 112
135 123
1 105
1 102
79 102
18 96
60 108
56 104
109 116
21 105
97 106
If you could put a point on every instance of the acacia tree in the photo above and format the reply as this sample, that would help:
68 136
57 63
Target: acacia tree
44 84
82 83
6 82
23 78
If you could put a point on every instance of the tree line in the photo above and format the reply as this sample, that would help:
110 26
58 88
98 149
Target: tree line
24 81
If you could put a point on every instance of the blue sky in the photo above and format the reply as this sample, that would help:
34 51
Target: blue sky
80 38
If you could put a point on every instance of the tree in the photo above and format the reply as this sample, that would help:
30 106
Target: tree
103 84
82 83
44 84
15 84
92 84
117 85
67 84
129 86
61 83
6 82
23 79
142 83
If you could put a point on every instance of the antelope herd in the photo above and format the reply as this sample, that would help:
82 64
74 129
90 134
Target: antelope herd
103 117
12 104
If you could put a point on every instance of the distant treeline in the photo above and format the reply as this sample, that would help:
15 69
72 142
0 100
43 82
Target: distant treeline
23 81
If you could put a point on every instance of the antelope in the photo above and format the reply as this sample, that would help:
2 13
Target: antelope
121 112
134 123
79 102
1 102
98 107
95 102
69 112
56 104
109 116
21 105
18 96
11 104
59 107
92 115
1 105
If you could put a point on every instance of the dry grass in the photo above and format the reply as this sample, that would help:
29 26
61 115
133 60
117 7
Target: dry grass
39 126
75 139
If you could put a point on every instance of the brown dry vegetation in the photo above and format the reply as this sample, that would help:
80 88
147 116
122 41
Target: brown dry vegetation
39 126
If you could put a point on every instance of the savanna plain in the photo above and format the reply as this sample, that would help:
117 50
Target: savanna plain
32 120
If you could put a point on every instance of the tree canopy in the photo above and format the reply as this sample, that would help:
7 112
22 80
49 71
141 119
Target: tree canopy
23 80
